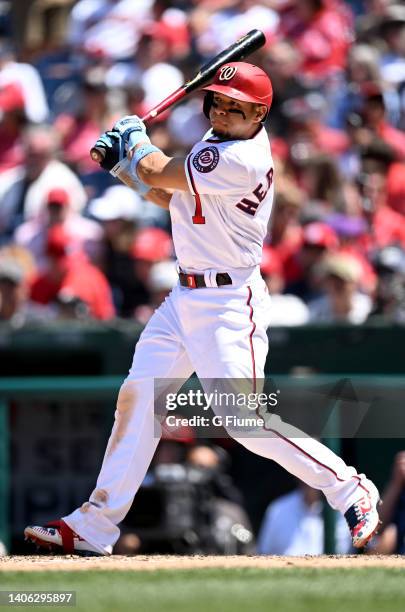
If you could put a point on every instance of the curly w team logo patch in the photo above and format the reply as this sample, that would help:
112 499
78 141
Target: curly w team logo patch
206 160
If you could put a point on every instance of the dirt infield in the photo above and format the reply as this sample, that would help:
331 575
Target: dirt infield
168 562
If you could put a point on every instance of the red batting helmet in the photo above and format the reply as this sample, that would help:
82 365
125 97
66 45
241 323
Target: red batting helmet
241 81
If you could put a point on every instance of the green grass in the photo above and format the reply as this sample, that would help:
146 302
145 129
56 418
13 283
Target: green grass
230 590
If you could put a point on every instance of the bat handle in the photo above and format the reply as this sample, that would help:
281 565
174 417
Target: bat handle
97 154
165 104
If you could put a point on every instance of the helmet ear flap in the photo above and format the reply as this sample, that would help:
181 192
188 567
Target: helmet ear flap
208 99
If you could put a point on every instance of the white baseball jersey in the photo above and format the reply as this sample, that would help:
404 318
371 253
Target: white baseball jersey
222 222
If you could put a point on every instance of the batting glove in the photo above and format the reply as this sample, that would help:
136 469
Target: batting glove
112 145
132 130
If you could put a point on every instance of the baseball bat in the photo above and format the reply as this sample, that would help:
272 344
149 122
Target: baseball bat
245 45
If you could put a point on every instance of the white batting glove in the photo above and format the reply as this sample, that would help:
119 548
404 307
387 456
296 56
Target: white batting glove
132 131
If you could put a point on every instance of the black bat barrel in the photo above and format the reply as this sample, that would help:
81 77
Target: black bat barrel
245 45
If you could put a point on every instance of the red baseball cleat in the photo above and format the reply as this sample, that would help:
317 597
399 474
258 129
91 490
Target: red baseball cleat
58 537
362 518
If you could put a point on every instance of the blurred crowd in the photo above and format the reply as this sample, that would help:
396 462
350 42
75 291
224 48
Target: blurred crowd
76 244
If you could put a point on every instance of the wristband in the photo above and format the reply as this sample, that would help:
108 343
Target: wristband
134 137
140 153
122 171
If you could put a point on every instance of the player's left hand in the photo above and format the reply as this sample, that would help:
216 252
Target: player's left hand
113 146
132 131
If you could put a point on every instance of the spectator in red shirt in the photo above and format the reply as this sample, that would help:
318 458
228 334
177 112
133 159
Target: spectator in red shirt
119 210
12 123
284 309
374 114
396 187
307 133
71 275
162 278
282 61
319 177
285 231
57 210
151 245
79 131
23 195
386 226
321 31
318 240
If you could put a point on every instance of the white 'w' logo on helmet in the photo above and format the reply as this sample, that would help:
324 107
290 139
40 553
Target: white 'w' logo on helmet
226 73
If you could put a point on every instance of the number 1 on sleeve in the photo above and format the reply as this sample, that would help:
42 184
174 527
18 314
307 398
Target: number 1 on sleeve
198 218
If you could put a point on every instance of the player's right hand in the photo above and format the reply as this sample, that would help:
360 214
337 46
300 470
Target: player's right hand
132 131
113 148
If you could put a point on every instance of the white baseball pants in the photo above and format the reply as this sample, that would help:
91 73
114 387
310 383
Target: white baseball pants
218 332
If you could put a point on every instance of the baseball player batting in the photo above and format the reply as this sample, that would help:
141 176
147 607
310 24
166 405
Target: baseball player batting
214 321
